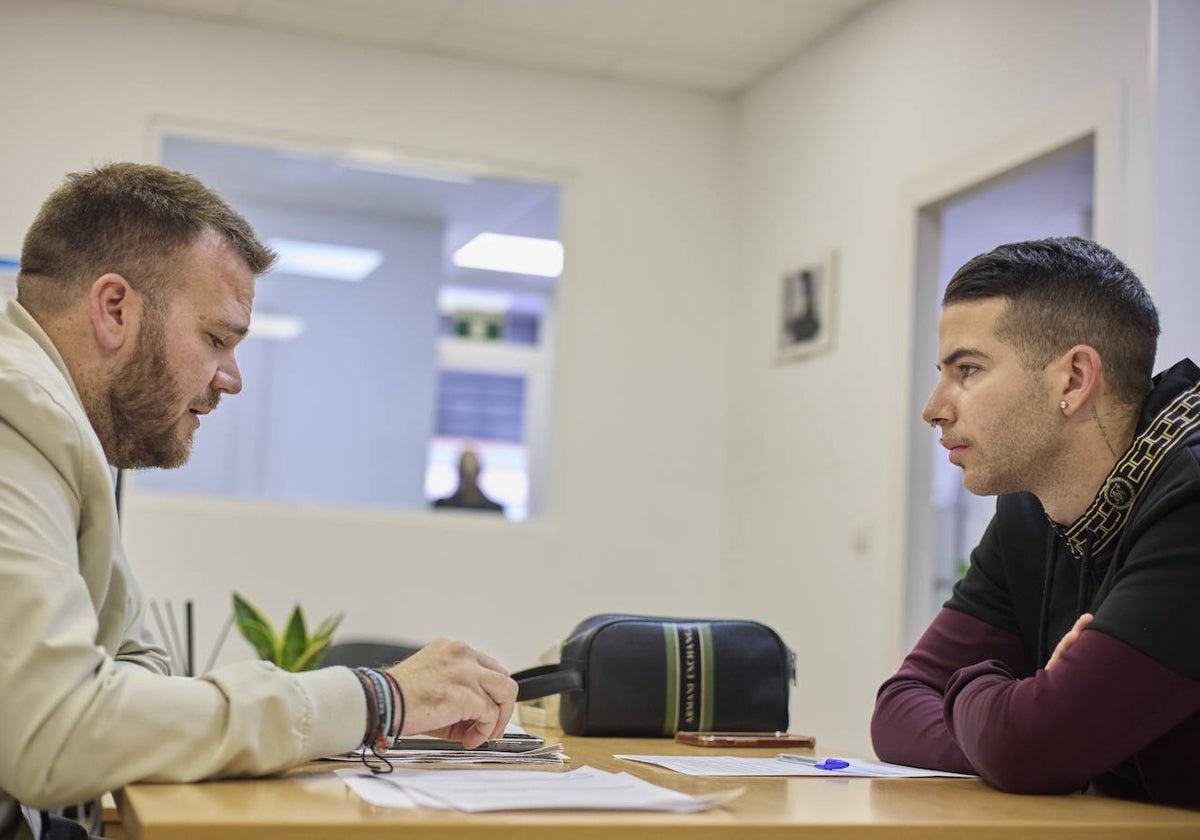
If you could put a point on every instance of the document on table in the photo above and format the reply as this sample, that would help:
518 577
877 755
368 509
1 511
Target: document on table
793 765
520 790
549 754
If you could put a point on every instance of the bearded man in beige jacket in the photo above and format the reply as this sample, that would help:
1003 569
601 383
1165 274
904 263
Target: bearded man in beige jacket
134 291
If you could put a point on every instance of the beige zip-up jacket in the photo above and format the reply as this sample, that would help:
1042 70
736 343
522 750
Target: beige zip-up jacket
86 704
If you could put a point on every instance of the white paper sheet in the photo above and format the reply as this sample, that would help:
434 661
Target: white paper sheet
517 790
800 765
549 754
376 789
546 754
873 769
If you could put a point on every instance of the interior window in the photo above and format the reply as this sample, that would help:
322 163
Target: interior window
8 278
386 341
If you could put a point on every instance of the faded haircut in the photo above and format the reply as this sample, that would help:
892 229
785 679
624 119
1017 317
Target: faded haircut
1067 291
129 219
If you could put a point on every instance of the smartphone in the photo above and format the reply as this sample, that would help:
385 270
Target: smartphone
511 742
745 739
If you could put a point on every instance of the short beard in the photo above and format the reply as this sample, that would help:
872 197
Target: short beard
1027 460
139 435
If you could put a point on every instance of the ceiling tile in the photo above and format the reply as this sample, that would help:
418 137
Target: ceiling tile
526 49
709 76
763 31
375 21
215 9
610 22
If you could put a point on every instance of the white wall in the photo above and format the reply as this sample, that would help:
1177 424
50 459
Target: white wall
829 150
635 518
691 475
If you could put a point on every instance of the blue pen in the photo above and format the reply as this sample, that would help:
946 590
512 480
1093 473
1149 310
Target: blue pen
832 764
827 764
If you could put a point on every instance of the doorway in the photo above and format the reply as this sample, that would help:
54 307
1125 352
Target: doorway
1051 195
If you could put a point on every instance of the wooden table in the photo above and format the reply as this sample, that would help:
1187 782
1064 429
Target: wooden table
310 802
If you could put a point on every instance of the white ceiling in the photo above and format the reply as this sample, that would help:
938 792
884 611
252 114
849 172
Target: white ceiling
715 46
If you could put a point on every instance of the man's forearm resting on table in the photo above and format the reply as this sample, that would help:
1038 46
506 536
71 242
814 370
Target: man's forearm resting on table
909 725
1053 732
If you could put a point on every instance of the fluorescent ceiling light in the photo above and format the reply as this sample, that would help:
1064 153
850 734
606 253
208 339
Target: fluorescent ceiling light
388 161
424 173
512 254
458 299
318 259
275 327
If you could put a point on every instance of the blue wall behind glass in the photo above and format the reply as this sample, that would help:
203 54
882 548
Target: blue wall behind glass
482 406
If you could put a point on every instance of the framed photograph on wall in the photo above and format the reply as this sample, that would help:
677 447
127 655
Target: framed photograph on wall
804 324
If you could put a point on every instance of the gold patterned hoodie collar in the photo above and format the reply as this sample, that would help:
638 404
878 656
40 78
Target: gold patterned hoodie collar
1110 510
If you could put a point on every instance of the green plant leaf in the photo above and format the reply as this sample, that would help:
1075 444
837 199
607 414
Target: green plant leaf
294 649
294 640
318 643
255 628
325 628
313 655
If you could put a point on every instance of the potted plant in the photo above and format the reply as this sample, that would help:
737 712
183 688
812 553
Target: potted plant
294 649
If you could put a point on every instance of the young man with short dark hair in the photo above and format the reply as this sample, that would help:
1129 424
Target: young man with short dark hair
1069 654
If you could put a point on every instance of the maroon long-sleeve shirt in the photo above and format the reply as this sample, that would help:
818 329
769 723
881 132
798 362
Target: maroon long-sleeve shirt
1106 714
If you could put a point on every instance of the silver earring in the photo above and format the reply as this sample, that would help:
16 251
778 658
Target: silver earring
1062 405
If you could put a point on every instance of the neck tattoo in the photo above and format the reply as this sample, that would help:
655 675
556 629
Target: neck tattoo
1103 431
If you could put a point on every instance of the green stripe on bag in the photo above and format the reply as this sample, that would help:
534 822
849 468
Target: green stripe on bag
671 712
708 675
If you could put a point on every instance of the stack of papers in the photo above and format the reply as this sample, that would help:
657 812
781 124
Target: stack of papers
520 790
549 754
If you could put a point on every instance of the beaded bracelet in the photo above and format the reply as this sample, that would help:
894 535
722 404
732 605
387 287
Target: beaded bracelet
397 701
382 692
387 707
